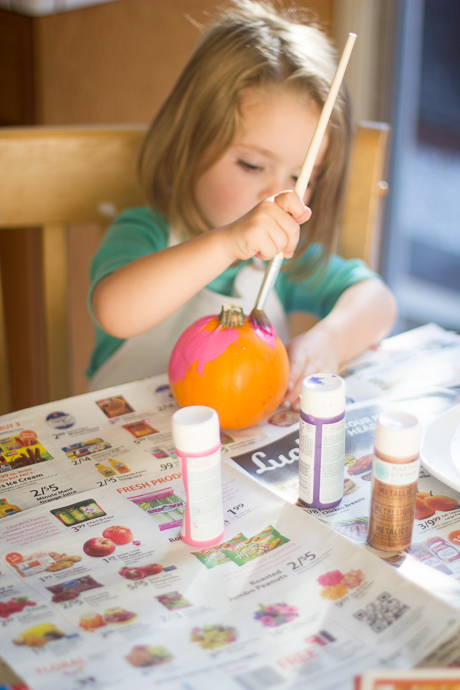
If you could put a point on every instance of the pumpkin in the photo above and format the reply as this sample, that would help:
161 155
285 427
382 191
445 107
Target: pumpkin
232 364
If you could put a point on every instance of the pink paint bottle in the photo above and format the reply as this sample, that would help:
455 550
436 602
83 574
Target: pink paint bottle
196 437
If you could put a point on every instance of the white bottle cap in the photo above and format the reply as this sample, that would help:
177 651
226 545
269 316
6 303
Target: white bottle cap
398 434
195 429
323 395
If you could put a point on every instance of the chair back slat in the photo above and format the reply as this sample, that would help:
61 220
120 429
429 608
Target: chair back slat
83 241
55 288
67 175
22 290
5 401
360 236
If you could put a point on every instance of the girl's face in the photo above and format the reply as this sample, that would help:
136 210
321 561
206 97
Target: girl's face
265 157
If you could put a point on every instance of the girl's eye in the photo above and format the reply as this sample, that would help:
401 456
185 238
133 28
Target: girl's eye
250 167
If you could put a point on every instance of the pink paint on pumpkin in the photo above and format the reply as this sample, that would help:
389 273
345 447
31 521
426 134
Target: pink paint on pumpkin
267 334
210 344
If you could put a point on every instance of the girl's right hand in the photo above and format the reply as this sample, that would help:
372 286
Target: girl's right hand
271 227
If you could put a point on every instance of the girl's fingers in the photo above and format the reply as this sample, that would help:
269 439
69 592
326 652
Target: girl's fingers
271 227
291 203
296 374
292 398
289 231
271 243
277 232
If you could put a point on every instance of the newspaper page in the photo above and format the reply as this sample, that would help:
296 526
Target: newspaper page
119 598
108 437
408 362
291 598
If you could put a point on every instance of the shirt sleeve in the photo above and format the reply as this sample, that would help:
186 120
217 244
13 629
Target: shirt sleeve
134 233
317 293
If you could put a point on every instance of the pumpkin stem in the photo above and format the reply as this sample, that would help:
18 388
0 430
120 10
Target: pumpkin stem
231 315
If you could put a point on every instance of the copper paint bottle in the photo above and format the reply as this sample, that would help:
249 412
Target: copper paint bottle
395 471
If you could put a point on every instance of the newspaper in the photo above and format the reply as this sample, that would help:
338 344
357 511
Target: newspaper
97 588
406 363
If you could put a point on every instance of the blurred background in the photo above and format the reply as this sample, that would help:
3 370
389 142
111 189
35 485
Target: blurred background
65 62
84 62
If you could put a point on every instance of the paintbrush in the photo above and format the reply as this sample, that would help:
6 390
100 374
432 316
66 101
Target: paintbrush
257 315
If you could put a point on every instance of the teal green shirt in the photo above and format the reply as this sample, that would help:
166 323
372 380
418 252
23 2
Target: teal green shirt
140 231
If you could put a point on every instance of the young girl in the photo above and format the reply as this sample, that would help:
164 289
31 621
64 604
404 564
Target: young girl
217 167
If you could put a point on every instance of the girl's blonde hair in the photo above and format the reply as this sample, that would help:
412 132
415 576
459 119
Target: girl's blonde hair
251 45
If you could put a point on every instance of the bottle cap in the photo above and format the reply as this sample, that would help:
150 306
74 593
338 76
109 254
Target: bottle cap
398 434
195 429
323 395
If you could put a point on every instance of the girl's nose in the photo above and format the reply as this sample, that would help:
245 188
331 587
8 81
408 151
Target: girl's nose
273 187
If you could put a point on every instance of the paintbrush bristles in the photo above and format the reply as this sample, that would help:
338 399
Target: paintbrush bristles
259 319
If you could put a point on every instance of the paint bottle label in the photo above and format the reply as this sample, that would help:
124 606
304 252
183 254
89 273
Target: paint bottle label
196 438
322 452
396 475
393 500
203 484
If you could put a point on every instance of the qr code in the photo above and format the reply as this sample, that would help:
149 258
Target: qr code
382 612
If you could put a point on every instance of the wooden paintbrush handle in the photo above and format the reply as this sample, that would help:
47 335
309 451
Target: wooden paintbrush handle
273 268
270 275
312 153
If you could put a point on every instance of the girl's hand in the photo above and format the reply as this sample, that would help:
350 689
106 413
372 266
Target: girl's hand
309 353
363 314
269 228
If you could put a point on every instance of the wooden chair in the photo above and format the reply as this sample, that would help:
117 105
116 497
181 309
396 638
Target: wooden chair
59 189
361 225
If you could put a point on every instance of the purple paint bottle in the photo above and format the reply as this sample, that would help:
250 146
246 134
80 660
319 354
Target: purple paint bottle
322 440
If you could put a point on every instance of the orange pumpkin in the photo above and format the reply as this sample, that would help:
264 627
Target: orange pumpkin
230 363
